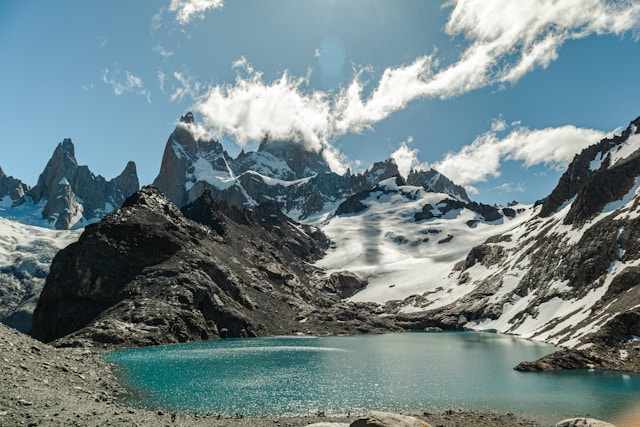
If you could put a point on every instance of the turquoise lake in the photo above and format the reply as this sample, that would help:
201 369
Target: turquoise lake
406 372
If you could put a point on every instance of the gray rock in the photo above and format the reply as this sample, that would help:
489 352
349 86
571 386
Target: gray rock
583 422
387 419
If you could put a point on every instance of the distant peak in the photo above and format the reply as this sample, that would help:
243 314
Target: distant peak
187 118
67 148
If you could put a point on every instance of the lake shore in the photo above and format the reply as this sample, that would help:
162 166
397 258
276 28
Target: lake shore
44 385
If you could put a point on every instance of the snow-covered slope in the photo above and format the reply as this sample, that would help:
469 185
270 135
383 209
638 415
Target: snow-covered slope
406 240
25 255
560 277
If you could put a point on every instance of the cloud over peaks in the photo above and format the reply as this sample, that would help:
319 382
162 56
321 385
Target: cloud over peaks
482 159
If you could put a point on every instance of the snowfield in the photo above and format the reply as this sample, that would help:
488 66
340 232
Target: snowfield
401 257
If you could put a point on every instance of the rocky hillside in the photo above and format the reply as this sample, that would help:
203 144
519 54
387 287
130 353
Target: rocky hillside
67 195
569 275
150 274
298 180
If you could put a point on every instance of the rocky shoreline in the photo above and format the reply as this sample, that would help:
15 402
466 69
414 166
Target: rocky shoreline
44 385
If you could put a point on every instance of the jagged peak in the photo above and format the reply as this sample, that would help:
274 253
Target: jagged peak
187 118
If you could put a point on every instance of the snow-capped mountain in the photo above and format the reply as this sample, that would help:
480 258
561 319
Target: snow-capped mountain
25 255
66 195
288 173
568 275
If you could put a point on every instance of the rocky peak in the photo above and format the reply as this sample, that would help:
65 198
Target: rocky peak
302 160
73 193
182 153
595 161
434 181
62 165
187 118
382 170
12 188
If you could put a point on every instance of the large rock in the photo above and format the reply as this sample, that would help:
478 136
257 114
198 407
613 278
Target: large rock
387 419
583 422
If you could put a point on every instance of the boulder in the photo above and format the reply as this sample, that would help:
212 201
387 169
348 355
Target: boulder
345 284
583 422
387 419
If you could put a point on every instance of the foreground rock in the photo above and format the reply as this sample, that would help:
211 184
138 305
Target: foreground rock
583 422
147 274
386 419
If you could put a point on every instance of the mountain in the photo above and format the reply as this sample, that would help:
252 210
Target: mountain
66 195
149 273
568 275
298 179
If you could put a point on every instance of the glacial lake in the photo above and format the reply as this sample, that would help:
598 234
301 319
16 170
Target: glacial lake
402 372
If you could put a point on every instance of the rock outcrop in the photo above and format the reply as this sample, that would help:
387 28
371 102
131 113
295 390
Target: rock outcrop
13 189
150 274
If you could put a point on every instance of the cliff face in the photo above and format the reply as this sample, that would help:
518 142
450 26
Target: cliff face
150 274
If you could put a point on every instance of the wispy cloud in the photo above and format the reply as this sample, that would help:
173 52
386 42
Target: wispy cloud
165 53
186 87
482 159
187 10
125 81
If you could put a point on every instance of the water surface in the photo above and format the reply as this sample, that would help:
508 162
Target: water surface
396 372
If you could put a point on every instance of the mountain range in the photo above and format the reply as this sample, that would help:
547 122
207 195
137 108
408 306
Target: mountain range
221 244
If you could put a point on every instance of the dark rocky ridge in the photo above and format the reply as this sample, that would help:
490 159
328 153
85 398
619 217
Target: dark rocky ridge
147 275
593 189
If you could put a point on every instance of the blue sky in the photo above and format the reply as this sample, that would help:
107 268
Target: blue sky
497 94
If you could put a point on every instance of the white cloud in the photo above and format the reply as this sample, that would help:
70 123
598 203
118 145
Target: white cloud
187 10
482 159
125 81
407 158
251 109
509 38
505 40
